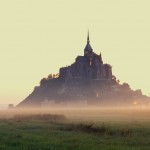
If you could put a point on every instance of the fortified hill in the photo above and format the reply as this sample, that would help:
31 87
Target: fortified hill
88 81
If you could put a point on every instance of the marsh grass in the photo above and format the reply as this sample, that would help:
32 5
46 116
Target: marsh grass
57 132
102 129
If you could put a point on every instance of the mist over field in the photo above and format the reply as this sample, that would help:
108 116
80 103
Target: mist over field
104 113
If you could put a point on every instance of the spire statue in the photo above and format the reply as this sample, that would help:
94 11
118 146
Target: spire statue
88 37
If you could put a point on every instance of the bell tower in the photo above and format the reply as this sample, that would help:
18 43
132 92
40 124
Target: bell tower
88 49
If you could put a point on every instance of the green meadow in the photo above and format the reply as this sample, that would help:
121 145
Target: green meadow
92 130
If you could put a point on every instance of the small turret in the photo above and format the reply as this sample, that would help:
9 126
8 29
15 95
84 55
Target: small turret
100 58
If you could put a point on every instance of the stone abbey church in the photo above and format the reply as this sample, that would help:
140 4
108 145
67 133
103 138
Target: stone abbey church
89 66
88 81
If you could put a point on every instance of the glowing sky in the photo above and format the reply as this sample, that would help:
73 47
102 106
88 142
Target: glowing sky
37 37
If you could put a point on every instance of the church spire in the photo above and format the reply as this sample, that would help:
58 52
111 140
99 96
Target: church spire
88 49
88 37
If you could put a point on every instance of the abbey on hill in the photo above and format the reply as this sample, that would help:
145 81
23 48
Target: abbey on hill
89 66
88 81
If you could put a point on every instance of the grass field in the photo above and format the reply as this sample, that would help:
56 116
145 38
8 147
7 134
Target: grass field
91 130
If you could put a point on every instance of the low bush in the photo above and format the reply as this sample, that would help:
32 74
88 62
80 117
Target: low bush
42 117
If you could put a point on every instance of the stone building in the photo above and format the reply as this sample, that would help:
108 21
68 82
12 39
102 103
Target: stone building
89 66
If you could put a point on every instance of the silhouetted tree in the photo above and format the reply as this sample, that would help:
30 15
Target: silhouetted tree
43 81
50 76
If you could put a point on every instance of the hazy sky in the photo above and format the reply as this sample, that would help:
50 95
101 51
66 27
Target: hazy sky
37 37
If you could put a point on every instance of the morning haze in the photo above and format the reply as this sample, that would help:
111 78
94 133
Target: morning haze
39 37
85 106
